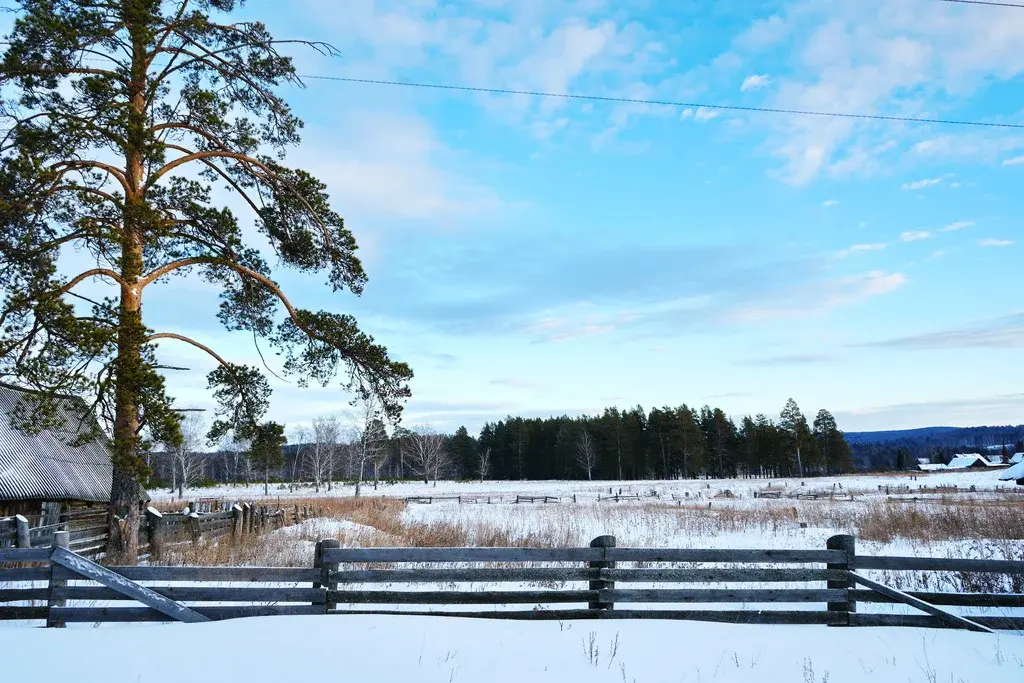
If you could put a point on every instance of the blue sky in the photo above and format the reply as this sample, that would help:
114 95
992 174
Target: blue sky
538 256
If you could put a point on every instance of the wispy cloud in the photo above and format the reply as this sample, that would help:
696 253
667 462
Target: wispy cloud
830 202
1015 161
827 296
959 225
1006 332
921 184
789 359
755 82
994 242
701 114
861 249
915 235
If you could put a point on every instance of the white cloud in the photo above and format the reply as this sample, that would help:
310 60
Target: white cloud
861 249
915 235
705 114
921 184
762 33
755 82
828 296
1015 161
830 202
958 225
993 242
910 58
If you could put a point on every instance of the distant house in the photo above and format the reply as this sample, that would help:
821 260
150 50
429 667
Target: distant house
1016 458
931 467
963 462
42 475
1014 473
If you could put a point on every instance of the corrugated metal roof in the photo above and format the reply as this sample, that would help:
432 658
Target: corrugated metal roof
44 466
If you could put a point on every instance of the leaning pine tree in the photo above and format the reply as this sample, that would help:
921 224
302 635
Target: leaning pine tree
118 119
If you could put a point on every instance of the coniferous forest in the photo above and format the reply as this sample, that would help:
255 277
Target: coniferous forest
663 443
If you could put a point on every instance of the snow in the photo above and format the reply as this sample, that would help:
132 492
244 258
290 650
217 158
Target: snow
507 490
447 650
1016 458
1013 473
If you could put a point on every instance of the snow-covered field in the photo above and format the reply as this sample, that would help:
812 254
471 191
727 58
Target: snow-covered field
429 650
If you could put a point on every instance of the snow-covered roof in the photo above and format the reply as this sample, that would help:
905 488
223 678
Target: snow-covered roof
1016 458
1013 473
965 460
929 467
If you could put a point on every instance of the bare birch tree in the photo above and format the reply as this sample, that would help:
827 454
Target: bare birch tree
369 438
586 453
483 461
187 456
318 460
428 454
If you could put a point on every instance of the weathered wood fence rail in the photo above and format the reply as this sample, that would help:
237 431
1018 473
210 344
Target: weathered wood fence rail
797 586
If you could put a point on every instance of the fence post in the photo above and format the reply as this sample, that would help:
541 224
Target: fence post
155 526
841 611
24 538
236 521
600 584
193 524
246 518
327 568
61 539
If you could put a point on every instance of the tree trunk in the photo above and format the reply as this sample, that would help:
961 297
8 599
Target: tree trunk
266 480
375 469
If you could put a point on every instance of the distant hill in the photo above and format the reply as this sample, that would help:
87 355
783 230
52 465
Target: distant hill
877 450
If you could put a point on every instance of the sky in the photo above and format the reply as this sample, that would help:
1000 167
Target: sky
539 256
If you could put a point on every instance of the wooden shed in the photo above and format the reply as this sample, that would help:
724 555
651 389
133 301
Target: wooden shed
51 480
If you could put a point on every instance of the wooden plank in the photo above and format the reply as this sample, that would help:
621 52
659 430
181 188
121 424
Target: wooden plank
24 574
236 574
721 575
90 532
948 599
343 555
24 554
939 564
726 616
465 575
925 621
209 612
949 618
708 595
460 597
19 594
10 613
738 556
91 570
199 594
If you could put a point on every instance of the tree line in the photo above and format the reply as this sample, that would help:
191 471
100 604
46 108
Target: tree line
664 443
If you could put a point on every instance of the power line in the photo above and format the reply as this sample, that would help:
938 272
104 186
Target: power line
991 3
665 103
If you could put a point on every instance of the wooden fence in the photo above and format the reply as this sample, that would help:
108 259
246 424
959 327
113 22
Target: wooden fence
806 586
87 527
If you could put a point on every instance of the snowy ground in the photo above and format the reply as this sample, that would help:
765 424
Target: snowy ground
427 650
506 491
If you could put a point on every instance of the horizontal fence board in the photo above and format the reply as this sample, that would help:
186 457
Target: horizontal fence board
926 621
726 616
88 532
9 613
466 575
460 597
722 595
24 554
25 574
130 614
738 556
938 564
198 594
345 555
946 599
19 594
722 575
238 574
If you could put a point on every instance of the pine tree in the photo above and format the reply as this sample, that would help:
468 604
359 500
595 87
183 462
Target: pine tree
462 448
119 116
265 453
794 424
